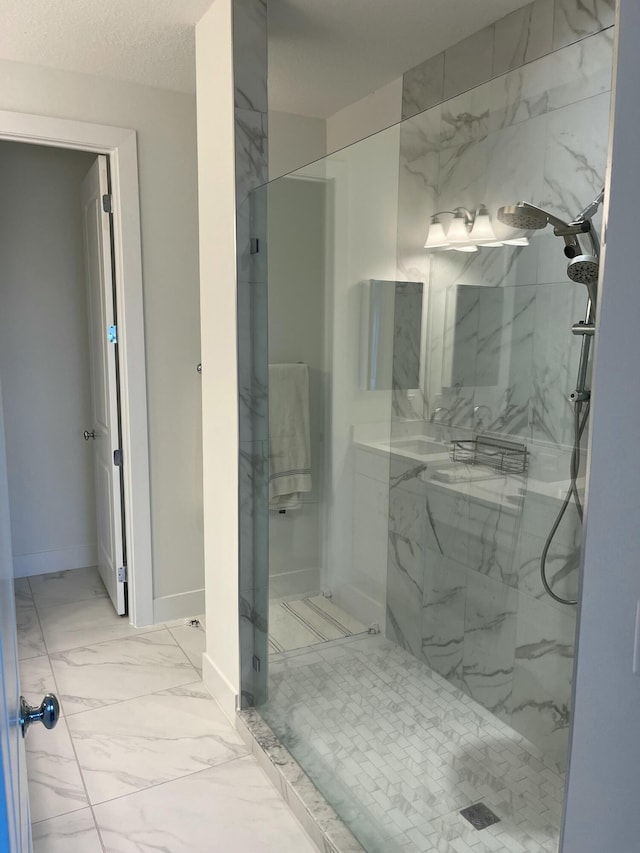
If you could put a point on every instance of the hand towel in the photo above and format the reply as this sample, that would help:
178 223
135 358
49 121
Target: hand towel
290 444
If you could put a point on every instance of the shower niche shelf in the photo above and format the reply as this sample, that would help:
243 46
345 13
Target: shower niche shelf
497 454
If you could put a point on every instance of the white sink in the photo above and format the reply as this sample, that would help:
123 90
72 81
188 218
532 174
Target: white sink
418 446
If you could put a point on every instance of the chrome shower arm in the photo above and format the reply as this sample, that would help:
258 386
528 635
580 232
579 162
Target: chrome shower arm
591 209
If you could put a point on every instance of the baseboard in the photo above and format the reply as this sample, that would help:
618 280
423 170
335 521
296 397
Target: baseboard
220 688
77 557
178 606
365 609
299 582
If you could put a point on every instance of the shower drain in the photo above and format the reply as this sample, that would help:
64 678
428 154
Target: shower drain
479 816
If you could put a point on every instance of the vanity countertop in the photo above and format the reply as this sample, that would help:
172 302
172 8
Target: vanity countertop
473 481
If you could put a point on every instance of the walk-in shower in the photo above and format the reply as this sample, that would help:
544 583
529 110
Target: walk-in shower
417 667
584 269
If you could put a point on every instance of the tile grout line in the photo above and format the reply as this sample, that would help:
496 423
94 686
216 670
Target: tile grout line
63 715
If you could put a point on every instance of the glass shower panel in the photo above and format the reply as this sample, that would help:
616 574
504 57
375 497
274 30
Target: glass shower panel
416 665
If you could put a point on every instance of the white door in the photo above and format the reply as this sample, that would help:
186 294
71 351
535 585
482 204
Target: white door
104 432
15 828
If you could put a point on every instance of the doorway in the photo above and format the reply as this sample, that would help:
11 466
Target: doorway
119 145
59 370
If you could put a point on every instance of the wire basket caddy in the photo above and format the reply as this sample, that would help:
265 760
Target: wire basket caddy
498 454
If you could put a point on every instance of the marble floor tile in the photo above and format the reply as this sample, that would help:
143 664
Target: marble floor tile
232 807
36 678
70 833
153 739
193 642
22 591
395 748
68 586
30 639
67 626
110 672
55 784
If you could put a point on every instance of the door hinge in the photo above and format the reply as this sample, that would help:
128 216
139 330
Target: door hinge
112 334
107 205
117 458
122 574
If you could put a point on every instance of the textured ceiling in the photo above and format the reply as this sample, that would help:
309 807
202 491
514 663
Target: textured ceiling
323 54
146 41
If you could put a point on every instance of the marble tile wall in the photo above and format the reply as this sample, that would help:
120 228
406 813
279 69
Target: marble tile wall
250 76
515 40
463 583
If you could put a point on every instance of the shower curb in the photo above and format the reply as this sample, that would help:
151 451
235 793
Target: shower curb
327 831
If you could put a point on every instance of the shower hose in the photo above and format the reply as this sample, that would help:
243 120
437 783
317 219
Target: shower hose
580 421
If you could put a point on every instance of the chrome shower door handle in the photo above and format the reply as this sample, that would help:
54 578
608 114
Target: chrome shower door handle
88 435
47 713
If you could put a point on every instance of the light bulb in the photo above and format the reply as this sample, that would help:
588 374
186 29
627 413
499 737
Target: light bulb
482 231
465 248
458 231
436 238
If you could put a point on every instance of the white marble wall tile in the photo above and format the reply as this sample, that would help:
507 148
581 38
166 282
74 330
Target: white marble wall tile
562 566
542 675
423 86
575 19
65 587
493 533
233 807
523 36
555 362
573 74
417 191
516 169
250 54
65 626
70 833
251 148
119 669
576 155
489 644
253 370
146 741
55 783
443 609
468 63
545 641
464 153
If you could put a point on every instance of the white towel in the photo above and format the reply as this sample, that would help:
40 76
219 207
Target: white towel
290 444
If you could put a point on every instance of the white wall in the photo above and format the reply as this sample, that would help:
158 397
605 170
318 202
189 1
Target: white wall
365 117
296 333
294 141
216 181
165 123
362 222
44 358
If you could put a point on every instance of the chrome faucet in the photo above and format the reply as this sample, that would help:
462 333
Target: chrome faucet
437 418
478 420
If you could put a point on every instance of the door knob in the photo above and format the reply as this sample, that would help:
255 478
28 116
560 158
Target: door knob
47 713
88 435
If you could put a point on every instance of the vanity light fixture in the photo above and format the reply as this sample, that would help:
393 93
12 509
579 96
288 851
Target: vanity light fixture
466 231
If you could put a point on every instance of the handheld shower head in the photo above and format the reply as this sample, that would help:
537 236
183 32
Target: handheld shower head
523 215
584 269
531 218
